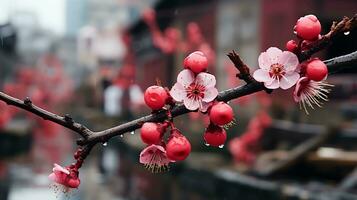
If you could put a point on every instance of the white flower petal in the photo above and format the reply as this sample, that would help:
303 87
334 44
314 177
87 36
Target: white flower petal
274 54
191 104
289 80
204 106
272 85
264 61
206 79
185 77
262 75
178 92
210 94
289 60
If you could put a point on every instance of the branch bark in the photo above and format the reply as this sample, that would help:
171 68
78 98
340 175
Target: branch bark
226 95
89 138
344 26
65 121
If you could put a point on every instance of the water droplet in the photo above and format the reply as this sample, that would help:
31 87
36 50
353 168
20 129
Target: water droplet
121 136
295 32
228 102
105 144
221 146
132 132
206 144
346 33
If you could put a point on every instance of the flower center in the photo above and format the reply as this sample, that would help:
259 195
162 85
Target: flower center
195 91
276 70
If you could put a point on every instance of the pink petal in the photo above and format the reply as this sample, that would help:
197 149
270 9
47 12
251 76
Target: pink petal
178 92
60 169
204 106
185 77
206 79
298 87
262 75
264 61
274 54
191 104
147 153
289 80
273 84
210 94
289 60
52 177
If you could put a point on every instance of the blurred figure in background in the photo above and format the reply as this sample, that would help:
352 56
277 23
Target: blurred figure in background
124 96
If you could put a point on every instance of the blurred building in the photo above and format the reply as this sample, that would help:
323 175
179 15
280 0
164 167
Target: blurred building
76 16
248 27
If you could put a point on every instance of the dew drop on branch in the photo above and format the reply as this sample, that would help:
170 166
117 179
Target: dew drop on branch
221 146
121 135
346 33
132 132
105 144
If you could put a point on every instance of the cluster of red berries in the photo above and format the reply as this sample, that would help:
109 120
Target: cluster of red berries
220 115
177 146
308 29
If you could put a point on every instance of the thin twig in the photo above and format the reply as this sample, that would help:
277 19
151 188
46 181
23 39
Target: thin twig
345 25
244 72
46 115
90 138
226 95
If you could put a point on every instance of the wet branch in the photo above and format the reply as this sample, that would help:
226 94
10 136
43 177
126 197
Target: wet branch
89 138
226 95
337 29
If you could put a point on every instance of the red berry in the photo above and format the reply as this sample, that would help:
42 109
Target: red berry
178 147
291 45
155 97
151 133
221 114
215 136
73 183
316 70
196 62
308 27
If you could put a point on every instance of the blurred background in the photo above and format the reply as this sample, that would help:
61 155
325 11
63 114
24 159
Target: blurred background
94 58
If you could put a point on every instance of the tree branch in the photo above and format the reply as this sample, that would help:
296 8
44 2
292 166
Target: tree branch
244 71
226 95
90 138
66 121
344 26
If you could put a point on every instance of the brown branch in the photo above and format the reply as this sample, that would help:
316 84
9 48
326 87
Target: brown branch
90 138
66 121
226 95
345 25
244 72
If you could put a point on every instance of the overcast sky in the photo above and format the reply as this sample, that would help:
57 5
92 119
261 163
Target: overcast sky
50 13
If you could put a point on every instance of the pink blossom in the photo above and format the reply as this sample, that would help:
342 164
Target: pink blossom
65 176
196 92
154 158
309 93
277 69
